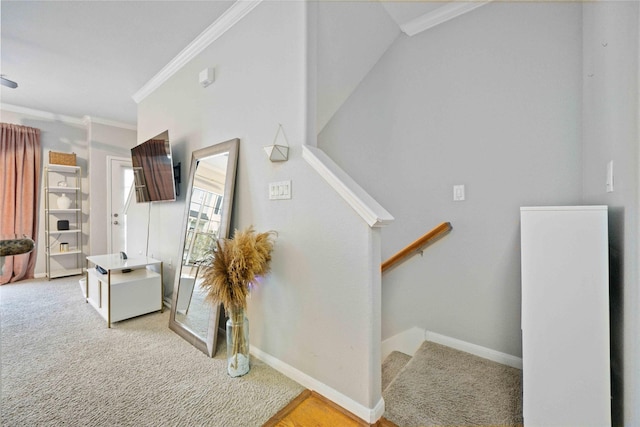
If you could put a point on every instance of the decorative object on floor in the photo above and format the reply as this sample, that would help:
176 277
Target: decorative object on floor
232 269
63 201
237 342
278 152
207 217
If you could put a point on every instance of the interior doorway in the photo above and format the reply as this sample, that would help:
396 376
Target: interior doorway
119 183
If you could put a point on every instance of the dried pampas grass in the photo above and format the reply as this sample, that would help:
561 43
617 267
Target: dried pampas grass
235 265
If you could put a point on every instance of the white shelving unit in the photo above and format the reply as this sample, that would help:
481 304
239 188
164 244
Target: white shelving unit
62 180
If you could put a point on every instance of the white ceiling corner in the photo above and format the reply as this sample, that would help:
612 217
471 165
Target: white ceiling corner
100 58
73 59
227 20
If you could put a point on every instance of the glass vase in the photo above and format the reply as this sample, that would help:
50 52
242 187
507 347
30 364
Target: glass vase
237 342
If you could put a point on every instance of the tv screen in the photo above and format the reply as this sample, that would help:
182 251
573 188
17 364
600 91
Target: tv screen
153 170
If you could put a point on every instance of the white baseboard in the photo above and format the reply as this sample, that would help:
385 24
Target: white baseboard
487 353
406 342
410 340
370 415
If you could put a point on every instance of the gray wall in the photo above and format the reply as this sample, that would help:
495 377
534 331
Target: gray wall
491 100
351 38
318 310
610 129
104 141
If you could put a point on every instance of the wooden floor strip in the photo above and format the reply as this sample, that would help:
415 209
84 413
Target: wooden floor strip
311 409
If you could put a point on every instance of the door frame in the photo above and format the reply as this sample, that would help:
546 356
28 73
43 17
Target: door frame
110 159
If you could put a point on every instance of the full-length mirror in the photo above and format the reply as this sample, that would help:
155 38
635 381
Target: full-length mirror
207 216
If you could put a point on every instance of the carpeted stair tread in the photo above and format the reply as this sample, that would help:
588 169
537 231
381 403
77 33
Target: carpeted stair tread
443 386
392 365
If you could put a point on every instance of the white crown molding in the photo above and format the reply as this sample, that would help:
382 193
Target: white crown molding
43 114
53 117
365 205
440 15
221 25
370 415
107 122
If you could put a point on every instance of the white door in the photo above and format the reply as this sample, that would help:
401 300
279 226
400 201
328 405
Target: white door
120 176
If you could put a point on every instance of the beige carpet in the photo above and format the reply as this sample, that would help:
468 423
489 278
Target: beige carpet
61 365
392 365
441 386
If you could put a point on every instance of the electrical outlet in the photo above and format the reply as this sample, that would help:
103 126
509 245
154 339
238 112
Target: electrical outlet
458 193
610 177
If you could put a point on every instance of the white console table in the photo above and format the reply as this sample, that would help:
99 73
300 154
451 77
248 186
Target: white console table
119 295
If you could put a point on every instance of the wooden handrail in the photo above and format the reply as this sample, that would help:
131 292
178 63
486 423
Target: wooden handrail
415 247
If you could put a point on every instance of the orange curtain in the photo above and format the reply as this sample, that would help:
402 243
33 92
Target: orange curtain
20 158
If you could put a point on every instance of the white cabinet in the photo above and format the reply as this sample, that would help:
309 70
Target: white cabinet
63 220
565 316
130 287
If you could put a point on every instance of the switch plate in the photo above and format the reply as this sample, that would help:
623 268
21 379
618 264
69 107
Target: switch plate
458 193
610 177
280 190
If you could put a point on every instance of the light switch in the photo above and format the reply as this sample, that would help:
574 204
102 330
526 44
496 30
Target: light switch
280 190
610 177
458 193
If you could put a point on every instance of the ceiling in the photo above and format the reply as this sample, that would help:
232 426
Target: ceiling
88 58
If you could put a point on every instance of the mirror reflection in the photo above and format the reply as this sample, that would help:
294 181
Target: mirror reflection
207 217
203 228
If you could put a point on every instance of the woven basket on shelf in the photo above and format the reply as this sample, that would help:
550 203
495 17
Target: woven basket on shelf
67 159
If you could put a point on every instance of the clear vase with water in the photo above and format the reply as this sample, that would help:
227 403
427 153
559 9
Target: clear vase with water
237 342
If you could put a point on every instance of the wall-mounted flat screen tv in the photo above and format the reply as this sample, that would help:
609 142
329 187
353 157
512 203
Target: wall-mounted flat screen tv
153 170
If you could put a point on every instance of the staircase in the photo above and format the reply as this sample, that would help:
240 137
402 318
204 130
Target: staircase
443 386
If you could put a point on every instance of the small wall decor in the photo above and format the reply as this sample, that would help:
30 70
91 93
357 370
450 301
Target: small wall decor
278 152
